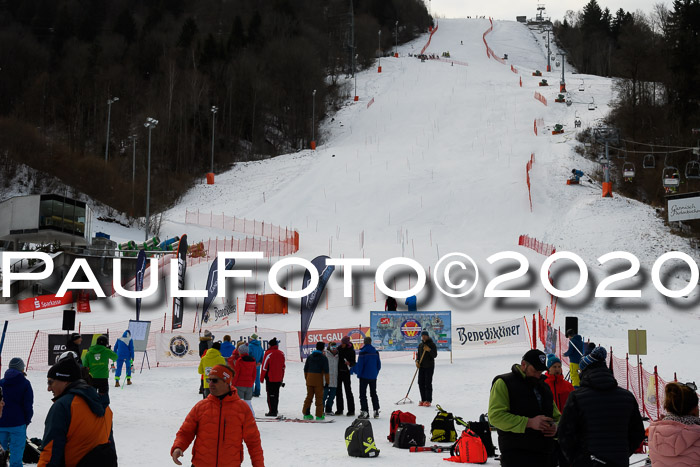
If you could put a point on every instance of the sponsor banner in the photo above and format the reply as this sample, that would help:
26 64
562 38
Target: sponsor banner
218 313
57 345
44 301
264 336
181 267
683 207
357 337
213 288
177 347
83 302
309 302
400 331
551 340
500 333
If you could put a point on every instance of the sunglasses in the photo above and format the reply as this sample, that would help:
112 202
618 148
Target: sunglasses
49 382
692 386
213 380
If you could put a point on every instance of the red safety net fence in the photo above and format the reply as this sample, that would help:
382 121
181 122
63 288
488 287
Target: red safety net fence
539 123
648 387
528 166
540 98
432 31
489 52
534 244
280 241
513 69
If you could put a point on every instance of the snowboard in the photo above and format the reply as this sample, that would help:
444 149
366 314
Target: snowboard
282 418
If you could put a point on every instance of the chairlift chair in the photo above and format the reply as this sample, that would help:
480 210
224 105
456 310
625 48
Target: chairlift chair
557 63
671 177
581 87
591 105
649 161
692 170
628 171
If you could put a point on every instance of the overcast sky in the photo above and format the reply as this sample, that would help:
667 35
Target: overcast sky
509 9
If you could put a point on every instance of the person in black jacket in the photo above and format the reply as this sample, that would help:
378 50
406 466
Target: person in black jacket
601 424
427 351
346 360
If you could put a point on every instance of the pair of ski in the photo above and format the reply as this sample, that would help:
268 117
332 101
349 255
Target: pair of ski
282 418
434 448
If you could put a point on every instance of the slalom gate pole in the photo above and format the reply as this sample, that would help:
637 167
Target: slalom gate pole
2 341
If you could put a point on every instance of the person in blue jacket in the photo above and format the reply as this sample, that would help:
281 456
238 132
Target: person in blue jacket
412 303
124 348
19 400
367 369
226 347
255 350
575 352
576 175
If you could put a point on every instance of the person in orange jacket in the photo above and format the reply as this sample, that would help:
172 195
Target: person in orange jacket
219 425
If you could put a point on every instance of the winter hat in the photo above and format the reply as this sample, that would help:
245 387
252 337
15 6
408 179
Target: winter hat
320 345
599 354
17 364
425 333
65 370
222 372
536 358
74 337
102 340
243 349
551 360
253 336
208 334
216 345
345 340
272 342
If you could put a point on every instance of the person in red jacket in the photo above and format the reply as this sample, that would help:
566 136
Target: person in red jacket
272 373
560 387
244 378
219 425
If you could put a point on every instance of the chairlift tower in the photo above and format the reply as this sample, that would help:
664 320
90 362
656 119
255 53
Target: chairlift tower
549 53
562 83
607 135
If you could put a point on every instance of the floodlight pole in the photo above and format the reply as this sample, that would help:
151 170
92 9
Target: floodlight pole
109 117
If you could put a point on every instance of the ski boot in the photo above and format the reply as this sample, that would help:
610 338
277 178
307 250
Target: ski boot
363 415
128 381
308 417
116 383
322 417
376 414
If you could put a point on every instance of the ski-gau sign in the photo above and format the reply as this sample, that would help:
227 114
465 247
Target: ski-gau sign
683 207
469 336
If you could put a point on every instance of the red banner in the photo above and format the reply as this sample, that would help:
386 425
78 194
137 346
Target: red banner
357 336
43 301
83 302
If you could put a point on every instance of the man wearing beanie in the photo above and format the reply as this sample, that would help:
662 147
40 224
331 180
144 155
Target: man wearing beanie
316 374
78 427
219 425
272 373
211 358
346 360
19 400
600 419
96 360
427 352
522 409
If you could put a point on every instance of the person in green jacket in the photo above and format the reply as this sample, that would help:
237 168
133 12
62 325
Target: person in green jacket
96 360
521 407
210 359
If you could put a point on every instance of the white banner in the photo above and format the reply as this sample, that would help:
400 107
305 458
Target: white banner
470 336
177 347
684 207
264 336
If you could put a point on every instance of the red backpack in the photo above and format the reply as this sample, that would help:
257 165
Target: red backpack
469 449
397 418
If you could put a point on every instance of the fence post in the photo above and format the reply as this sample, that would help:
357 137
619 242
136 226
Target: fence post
534 332
641 388
627 370
656 383
32 349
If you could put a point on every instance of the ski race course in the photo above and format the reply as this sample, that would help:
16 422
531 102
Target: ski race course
430 160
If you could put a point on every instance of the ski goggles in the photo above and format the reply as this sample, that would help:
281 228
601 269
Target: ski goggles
692 386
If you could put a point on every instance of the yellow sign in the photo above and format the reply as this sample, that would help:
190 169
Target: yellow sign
637 341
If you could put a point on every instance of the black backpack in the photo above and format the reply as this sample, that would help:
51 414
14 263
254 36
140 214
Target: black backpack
482 428
32 451
408 435
359 439
442 429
